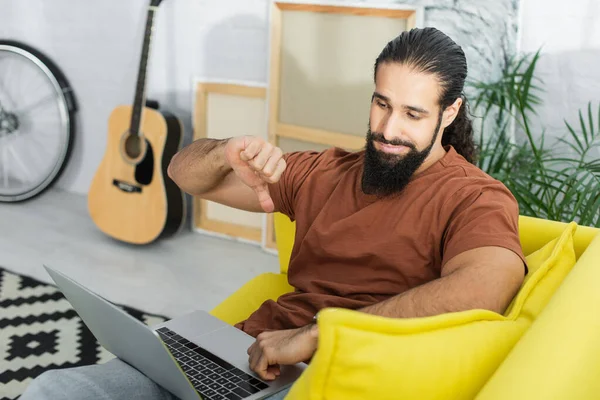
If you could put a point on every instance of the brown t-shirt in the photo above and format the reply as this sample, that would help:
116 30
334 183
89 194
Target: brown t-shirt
352 250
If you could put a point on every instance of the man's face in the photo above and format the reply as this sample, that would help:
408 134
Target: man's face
404 126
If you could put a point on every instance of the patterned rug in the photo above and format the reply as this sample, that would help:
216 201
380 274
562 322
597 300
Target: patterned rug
39 330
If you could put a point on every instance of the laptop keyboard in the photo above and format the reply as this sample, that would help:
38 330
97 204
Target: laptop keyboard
212 377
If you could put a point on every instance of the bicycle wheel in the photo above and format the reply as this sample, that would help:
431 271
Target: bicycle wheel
37 126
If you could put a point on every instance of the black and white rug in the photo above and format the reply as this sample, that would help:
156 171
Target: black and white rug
39 330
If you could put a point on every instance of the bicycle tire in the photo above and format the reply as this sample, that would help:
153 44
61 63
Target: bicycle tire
67 101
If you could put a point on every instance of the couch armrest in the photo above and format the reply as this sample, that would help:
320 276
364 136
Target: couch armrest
248 298
557 358
536 232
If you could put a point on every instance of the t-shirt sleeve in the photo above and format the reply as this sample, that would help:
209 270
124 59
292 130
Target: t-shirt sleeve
299 166
482 216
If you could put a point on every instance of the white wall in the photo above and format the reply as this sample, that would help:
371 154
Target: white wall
97 45
569 34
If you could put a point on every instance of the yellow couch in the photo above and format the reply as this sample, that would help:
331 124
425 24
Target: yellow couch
555 357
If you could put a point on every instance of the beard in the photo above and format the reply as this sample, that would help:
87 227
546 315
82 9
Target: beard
386 174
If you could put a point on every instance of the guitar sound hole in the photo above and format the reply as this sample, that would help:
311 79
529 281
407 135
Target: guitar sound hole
133 146
144 171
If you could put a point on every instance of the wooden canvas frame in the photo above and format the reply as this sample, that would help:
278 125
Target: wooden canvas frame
201 220
411 14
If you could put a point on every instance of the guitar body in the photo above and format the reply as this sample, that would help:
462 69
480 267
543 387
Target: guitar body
131 197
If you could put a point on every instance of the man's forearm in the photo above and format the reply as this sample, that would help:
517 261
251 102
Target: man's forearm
200 166
459 291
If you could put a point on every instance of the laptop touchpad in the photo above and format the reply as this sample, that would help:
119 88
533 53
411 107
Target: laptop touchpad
229 343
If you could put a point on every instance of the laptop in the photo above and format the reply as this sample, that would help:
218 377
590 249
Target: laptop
195 356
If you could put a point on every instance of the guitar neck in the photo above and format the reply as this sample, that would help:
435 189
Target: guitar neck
140 91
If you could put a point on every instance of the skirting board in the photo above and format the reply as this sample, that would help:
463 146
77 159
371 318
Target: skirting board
228 237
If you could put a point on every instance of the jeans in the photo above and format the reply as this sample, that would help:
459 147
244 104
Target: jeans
114 380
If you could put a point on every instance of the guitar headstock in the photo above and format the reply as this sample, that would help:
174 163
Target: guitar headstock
155 3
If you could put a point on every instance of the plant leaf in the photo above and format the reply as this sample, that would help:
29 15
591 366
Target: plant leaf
576 137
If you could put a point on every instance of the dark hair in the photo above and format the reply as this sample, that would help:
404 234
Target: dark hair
431 51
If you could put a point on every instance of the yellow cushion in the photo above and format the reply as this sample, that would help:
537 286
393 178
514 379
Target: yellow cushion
284 235
448 356
248 298
548 267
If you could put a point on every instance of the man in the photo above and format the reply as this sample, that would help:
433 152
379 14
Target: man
407 227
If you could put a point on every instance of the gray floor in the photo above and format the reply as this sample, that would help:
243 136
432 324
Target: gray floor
188 272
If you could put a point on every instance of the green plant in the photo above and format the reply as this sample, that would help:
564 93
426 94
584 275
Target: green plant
559 182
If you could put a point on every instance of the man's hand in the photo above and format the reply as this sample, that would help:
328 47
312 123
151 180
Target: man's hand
257 163
287 347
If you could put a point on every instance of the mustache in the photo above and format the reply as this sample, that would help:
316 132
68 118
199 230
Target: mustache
378 137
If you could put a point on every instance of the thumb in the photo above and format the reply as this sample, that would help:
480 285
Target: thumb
274 369
262 191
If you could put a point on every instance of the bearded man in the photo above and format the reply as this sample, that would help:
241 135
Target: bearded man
406 227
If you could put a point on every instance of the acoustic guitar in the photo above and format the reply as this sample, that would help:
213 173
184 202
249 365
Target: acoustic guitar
131 197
